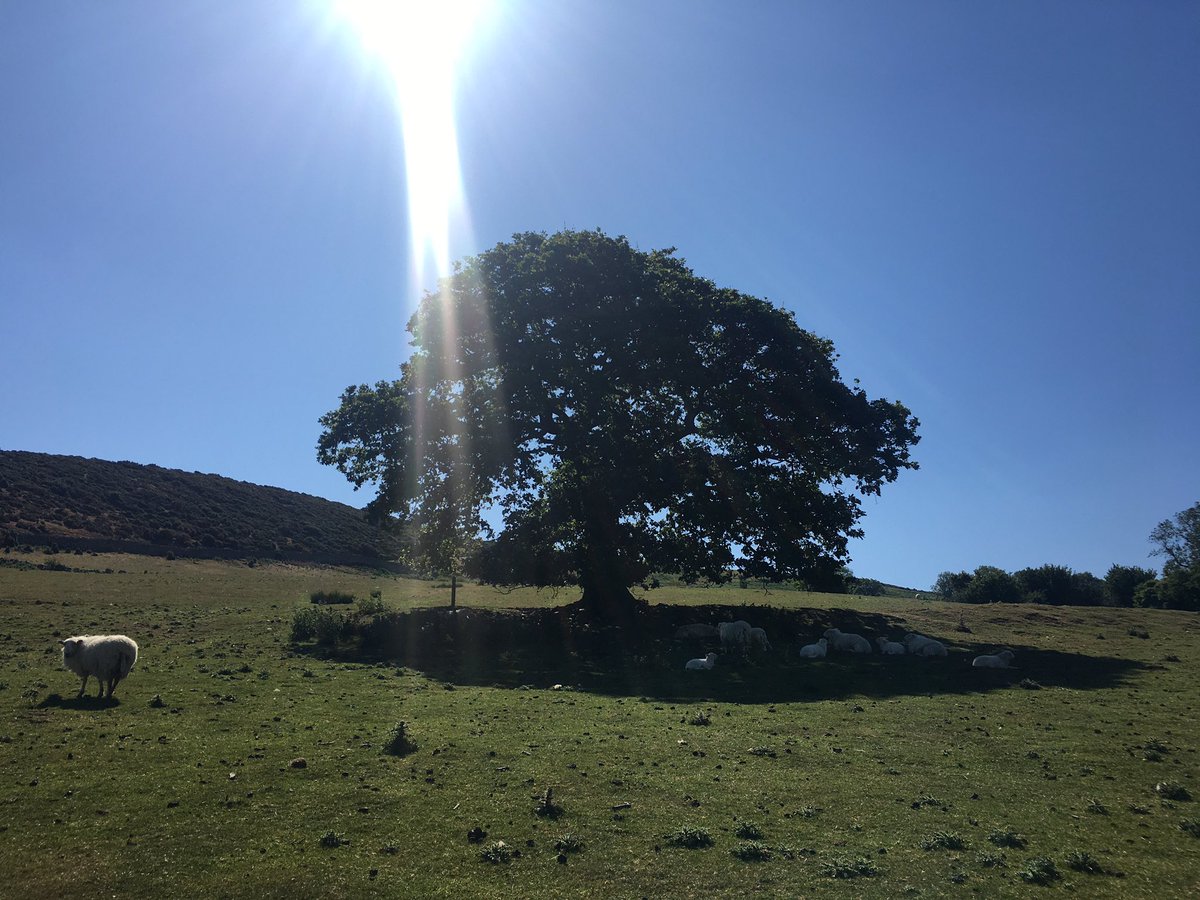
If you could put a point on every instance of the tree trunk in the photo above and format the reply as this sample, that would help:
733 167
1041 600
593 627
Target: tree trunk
606 595
603 571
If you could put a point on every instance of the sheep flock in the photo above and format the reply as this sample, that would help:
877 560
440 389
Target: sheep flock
739 639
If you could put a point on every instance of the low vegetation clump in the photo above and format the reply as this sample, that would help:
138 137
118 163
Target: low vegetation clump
1039 870
1082 861
399 742
850 867
547 807
332 839
748 831
373 605
496 852
1172 790
568 843
944 840
752 851
1006 837
325 626
1190 826
689 837
330 597
990 860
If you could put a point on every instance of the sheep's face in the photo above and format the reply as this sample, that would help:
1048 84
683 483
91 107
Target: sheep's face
70 648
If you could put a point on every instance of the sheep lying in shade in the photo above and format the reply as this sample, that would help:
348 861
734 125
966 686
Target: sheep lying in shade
923 646
889 648
814 651
847 642
109 657
758 637
914 642
1001 660
734 635
699 664
695 632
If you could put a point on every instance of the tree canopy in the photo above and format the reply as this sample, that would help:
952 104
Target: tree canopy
617 415
1177 539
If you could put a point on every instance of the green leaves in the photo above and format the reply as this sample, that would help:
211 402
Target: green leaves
625 415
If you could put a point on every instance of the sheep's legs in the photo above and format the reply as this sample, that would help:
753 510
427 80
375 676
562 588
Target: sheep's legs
82 687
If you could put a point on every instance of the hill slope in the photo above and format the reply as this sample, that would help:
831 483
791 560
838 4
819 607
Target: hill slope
100 505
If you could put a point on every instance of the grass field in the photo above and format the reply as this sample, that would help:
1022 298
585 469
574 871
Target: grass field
845 777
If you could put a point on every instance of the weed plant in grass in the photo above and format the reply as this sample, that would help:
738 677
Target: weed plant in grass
137 798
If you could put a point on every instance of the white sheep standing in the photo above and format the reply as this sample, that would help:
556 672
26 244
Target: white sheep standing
759 637
1001 660
107 656
814 651
734 635
847 641
889 648
695 632
699 664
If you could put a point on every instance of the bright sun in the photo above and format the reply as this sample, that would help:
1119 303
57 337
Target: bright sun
420 42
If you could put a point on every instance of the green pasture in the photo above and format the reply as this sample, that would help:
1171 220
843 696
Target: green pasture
845 777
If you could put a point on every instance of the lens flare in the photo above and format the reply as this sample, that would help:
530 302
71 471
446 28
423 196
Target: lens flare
420 44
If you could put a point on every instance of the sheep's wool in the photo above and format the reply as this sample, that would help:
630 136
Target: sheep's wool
108 657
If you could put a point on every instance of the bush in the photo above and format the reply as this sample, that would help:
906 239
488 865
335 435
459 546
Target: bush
373 606
398 742
865 587
323 625
330 597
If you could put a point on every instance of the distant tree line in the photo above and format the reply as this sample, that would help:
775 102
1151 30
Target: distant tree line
1177 539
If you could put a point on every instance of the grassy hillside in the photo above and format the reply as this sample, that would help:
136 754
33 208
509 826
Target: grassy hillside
864 777
71 501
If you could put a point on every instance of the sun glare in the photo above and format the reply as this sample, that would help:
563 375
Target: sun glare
420 43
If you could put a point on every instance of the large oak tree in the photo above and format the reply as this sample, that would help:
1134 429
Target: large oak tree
619 415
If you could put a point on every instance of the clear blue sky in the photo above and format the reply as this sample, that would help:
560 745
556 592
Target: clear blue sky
992 209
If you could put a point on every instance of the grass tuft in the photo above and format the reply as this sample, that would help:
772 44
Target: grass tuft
568 843
1039 870
748 831
752 851
1082 861
1006 837
689 837
1172 790
845 867
944 840
496 852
